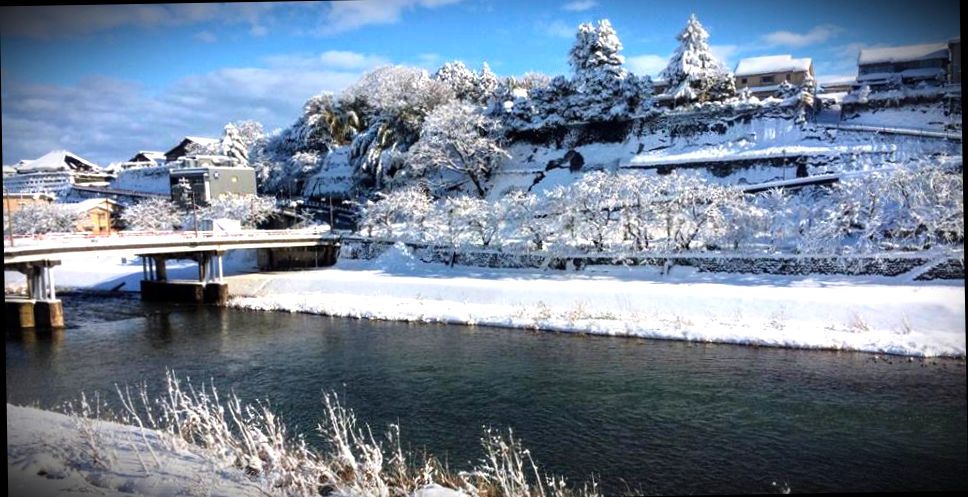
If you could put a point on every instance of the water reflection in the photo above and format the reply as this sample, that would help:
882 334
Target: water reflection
660 416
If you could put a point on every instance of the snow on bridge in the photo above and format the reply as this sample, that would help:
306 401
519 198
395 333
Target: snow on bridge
53 246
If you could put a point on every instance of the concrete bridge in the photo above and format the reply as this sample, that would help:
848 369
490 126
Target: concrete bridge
36 257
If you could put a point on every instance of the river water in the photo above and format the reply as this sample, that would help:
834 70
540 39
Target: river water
643 416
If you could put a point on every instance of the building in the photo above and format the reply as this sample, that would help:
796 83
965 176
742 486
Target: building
99 215
210 182
157 158
905 65
837 86
763 75
188 146
55 172
954 65
13 202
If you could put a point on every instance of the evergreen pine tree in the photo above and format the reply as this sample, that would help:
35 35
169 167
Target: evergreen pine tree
693 72
233 146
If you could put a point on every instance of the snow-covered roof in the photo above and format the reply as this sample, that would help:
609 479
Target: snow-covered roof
57 160
907 53
771 64
91 203
151 154
763 89
875 76
923 72
838 82
202 140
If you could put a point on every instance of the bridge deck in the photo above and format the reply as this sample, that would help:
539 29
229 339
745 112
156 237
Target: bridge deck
56 246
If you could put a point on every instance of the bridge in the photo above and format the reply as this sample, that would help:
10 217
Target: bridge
36 257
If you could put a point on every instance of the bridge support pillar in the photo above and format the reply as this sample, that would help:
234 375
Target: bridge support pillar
186 292
40 308
18 314
208 289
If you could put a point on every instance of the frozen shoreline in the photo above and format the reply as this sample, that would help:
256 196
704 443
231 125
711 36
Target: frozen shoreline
858 313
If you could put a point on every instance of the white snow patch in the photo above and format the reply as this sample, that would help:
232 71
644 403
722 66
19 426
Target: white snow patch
48 455
880 315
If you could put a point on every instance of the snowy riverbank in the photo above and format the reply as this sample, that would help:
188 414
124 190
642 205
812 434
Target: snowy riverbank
862 313
50 453
872 314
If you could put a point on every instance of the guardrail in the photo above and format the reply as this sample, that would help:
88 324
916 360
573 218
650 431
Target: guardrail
145 238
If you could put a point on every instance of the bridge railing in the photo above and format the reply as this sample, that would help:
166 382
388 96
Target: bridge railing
135 236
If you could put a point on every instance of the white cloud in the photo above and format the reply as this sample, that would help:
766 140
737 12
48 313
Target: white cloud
205 37
579 5
348 16
429 61
558 29
49 22
725 53
818 34
649 64
107 119
342 59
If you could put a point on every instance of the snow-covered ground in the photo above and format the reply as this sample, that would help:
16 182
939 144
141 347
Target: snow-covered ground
864 313
924 117
873 314
53 454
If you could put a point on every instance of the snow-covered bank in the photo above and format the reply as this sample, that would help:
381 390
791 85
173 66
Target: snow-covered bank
48 454
864 313
871 314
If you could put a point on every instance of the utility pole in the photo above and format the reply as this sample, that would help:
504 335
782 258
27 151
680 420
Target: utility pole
6 200
195 213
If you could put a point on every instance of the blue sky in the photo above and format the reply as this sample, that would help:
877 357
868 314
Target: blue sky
105 81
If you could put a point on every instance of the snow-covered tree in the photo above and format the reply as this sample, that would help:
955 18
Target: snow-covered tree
39 218
531 81
153 214
693 72
526 218
458 137
233 146
250 210
401 213
487 83
195 148
690 208
460 79
399 99
596 49
476 219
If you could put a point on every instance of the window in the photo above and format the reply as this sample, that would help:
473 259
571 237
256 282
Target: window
235 179
766 79
743 81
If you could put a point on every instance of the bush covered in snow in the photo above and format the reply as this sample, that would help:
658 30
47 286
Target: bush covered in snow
250 210
906 208
39 218
153 214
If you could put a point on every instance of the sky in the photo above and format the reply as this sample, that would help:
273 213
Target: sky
107 81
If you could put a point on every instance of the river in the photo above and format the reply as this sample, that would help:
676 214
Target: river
643 416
